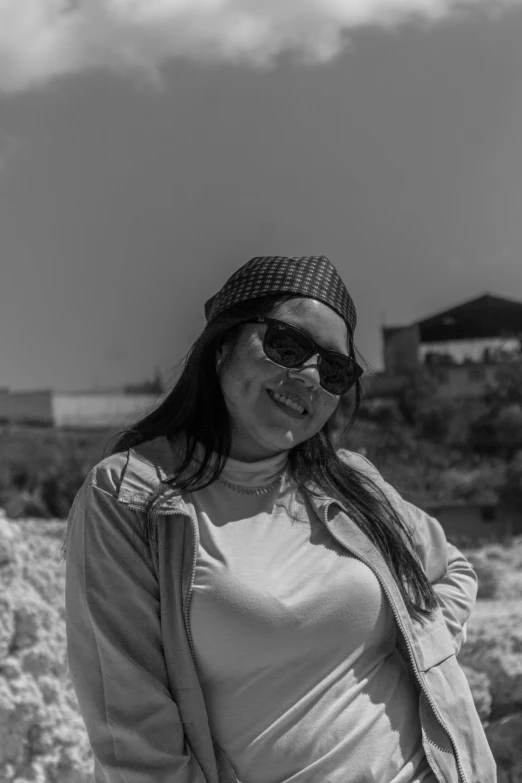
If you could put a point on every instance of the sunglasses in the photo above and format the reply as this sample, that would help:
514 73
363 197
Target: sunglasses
288 346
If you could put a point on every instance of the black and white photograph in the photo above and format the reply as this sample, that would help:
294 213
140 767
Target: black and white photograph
260 391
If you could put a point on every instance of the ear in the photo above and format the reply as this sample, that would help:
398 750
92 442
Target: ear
221 355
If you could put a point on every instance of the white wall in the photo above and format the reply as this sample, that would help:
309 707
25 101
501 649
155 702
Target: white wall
101 410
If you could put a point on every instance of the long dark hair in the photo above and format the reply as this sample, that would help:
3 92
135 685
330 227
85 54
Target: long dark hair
195 409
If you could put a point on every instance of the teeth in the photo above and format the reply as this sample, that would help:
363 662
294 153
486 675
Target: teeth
288 402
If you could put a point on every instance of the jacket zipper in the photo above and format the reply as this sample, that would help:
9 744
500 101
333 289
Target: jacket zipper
189 594
410 651
170 512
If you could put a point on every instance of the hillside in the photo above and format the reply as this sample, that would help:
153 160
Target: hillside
425 468
42 737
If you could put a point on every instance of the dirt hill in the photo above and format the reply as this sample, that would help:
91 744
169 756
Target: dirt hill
42 737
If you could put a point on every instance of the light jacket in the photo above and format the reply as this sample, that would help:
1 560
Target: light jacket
130 651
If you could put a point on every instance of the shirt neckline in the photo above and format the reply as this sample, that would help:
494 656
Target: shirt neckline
254 474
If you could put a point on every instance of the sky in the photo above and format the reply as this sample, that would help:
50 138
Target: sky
147 150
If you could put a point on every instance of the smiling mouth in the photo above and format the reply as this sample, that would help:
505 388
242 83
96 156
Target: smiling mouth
289 406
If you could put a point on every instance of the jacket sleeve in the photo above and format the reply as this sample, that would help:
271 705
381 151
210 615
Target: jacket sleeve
450 573
114 647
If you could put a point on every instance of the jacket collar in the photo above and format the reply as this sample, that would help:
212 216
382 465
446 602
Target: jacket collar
152 464
149 465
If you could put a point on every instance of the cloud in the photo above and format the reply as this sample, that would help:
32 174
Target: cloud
44 39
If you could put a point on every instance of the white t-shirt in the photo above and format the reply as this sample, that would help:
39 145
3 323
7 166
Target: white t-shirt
295 644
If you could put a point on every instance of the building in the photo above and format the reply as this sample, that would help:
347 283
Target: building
74 409
462 349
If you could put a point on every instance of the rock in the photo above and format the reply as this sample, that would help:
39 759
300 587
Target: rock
7 625
489 575
33 772
494 647
23 503
21 708
44 659
72 767
505 740
11 668
7 534
26 627
32 615
8 555
42 736
52 689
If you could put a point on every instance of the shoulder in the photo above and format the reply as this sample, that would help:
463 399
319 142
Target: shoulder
108 474
139 470
372 477
355 460
427 531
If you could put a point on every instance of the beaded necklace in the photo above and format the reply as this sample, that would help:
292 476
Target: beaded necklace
255 490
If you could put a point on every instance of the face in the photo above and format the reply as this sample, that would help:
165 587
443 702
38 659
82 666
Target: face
261 425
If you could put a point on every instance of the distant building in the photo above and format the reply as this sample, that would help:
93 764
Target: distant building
74 409
34 407
462 349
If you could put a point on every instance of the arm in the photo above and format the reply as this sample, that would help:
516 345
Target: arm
114 647
453 579
451 575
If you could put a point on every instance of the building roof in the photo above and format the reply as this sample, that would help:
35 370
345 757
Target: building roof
486 317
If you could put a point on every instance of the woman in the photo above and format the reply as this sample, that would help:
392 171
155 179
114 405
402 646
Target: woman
244 602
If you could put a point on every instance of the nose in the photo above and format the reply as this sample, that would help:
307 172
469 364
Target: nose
307 373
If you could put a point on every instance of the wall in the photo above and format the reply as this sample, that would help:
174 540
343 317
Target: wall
101 410
28 407
401 349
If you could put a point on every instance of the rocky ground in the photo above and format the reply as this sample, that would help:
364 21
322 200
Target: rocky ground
42 738
492 655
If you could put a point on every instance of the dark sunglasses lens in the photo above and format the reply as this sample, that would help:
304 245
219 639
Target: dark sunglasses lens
337 377
286 347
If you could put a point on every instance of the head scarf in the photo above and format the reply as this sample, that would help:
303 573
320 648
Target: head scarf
314 277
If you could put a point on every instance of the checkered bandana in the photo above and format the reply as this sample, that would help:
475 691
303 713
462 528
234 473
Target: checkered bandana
310 276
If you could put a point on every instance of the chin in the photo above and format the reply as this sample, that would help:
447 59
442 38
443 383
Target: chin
288 441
